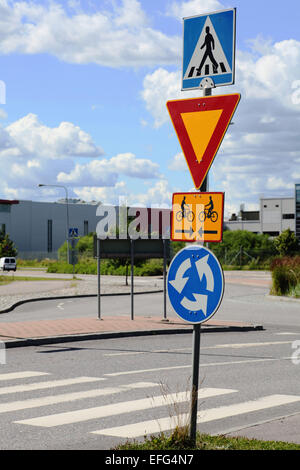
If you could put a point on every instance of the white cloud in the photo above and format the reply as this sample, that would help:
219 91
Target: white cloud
193 7
128 164
120 37
33 153
105 172
106 195
158 195
28 136
3 114
158 87
178 163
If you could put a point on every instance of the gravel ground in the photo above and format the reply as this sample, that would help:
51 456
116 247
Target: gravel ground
17 291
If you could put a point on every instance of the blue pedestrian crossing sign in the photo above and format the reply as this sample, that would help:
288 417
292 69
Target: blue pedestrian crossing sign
209 49
195 284
73 232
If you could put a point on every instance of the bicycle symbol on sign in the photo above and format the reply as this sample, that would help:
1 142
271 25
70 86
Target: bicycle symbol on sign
208 212
185 214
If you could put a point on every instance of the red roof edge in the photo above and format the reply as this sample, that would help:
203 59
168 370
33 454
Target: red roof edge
9 201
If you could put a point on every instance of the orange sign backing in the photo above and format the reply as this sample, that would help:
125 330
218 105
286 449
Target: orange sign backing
197 217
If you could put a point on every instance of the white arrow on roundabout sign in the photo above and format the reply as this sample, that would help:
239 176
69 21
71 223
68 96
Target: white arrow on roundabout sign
195 284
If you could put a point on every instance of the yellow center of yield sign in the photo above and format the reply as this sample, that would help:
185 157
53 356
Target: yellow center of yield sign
201 124
197 217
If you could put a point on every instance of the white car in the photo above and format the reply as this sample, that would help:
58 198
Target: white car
8 264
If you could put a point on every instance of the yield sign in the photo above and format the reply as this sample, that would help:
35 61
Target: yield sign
200 124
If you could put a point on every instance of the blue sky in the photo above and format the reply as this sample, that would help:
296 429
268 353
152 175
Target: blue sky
86 87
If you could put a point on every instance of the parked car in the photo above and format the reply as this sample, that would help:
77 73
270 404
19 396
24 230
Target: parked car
8 264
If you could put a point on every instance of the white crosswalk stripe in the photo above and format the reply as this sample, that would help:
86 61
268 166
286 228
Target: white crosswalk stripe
120 408
21 375
94 388
165 424
48 384
67 397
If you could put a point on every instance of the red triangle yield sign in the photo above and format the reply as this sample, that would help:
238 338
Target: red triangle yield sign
200 124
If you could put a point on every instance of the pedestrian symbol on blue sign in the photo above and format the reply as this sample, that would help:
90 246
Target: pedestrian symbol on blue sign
195 284
73 232
209 49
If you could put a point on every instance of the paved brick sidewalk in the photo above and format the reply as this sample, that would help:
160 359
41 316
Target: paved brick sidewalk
23 333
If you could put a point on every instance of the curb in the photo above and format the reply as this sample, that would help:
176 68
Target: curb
36 299
282 298
21 342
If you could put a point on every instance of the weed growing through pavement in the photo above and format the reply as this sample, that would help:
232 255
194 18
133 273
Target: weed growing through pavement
179 407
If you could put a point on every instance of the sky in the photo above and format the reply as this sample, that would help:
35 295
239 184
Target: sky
84 86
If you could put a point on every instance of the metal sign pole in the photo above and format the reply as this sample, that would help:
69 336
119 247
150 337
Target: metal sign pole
132 278
196 341
98 275
195 382
165 280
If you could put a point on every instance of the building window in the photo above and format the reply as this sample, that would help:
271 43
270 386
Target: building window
288 216
265 205
3 229
86 227
49 236
4 207
272 234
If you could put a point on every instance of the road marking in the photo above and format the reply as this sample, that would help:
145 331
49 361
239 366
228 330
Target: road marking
288 333
77 416
66 397
209 364
246 345
141 371
48 384
21 375
147 352
217 346
212 414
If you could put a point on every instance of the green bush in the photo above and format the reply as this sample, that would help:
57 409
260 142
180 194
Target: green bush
151 267
285 275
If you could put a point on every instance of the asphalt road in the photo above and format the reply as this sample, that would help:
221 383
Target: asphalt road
96 394
245 303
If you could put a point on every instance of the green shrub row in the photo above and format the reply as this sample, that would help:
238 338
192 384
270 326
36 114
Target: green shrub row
153 267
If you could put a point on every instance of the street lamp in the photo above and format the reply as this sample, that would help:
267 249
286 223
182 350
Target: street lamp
67 206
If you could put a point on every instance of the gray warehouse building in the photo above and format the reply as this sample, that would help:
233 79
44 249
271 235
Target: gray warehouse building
38 229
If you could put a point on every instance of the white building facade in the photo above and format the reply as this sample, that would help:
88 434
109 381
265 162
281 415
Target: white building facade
275 216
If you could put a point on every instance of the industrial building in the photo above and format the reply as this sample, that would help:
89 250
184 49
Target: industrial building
275 216
38 229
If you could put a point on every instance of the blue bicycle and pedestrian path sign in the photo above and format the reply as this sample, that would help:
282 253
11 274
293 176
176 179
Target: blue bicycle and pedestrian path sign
195 284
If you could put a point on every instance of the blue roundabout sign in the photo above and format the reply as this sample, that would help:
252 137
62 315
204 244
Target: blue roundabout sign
195 284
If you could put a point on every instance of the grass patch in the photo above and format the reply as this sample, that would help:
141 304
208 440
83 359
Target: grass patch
176 441
8 279
5 280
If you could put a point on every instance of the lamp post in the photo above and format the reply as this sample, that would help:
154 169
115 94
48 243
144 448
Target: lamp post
67 207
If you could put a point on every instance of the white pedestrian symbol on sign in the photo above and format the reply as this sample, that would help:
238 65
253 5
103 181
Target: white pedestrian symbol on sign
208 57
